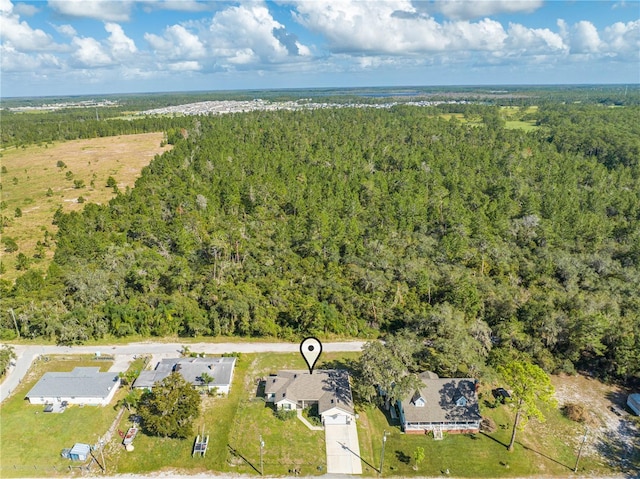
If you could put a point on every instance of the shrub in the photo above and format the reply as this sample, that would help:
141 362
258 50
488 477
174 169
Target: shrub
575 412
285 414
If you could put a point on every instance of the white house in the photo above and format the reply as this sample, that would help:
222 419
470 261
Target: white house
192 370
329 389
86 386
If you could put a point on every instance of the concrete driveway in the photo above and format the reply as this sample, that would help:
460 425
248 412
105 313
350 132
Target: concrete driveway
343 450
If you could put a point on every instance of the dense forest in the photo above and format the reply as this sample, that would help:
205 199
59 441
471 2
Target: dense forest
362 222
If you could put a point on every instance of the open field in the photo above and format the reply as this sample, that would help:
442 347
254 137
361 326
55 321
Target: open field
32 171
32 440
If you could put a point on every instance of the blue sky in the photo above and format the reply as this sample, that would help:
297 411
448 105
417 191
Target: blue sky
65 47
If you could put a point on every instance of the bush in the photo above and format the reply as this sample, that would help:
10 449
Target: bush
488 425
286 414
575 412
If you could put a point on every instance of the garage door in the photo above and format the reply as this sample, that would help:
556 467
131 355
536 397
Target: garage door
335 419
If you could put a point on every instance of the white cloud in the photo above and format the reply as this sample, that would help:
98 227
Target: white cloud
104 10
468 9
248 34
19 34
25 9
16 61
67 30
585 38
623 39
90 53
117 48
177 43
394 28
179 5
121 45
534 40
184 66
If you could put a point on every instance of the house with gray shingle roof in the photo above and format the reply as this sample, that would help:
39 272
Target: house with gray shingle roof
442 404
329 389
86 386
192 370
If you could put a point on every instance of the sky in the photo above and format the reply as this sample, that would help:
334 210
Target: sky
69 47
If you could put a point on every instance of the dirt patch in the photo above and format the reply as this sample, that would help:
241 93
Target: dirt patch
612 432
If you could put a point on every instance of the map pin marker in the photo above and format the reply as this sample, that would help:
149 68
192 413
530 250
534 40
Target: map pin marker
311 348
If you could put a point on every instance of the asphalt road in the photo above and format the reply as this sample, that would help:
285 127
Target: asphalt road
27 354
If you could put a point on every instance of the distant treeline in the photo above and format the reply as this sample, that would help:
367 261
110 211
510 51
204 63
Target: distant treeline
22 129
361 222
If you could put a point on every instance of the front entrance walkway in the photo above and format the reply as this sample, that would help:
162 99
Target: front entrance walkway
343 450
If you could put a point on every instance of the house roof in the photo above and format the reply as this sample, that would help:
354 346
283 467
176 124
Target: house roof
442 397
330 388
79 383
191 369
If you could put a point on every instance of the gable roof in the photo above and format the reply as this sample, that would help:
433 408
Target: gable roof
330 388
87 382
442 397
191 369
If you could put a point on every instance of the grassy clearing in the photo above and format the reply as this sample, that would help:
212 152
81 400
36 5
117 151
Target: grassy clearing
32 171
32 440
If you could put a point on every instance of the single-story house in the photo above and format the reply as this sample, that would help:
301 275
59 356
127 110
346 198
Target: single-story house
329 389
86 386
633 401
441 405
192 370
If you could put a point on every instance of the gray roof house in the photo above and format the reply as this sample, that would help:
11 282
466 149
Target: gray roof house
86 386
442 404
191 369
329 389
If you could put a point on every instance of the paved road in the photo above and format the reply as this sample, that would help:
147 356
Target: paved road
27 354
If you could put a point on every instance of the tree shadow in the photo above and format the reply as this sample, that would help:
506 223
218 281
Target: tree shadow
261 383
336 364
402 457
235 453
458 400
621 449
544 455
493 439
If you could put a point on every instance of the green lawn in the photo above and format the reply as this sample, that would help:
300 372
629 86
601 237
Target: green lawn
32 440
235 423
541 449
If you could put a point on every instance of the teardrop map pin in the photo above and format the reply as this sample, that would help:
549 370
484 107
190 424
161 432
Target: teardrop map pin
311 348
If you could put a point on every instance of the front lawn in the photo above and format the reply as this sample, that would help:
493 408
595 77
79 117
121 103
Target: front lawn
549 448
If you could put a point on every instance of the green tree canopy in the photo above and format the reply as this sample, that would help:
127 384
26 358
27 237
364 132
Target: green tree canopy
530 388
170 408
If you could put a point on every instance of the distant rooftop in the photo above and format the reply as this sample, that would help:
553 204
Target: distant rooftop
87 382
191 369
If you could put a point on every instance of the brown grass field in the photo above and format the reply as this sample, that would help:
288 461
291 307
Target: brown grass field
31 171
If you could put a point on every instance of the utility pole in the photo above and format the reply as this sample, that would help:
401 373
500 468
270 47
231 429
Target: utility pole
15 323
584 439
384 441
261 450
